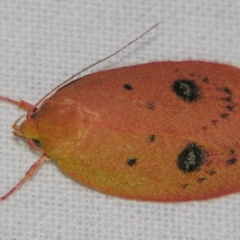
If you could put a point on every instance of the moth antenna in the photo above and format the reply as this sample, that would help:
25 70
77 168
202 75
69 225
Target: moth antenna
94 64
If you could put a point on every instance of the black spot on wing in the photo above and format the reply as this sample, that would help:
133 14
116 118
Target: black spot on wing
214 122
151 138
224 89
201 179
230 107
211 172
127 86
187 90
231 161
131 162
232 151
227 99
184 185
191 158
150 105
224 115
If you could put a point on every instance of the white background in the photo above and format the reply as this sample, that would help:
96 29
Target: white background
43 42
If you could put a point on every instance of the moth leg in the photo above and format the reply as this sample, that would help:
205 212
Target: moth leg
21 104
32 170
